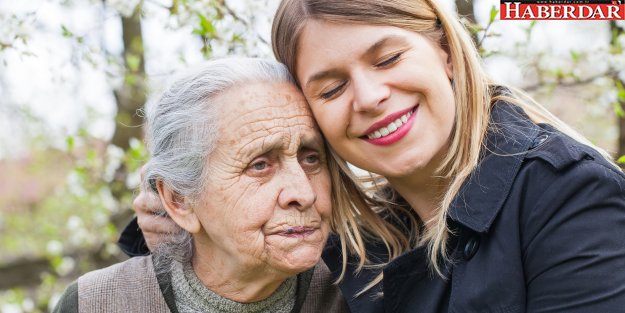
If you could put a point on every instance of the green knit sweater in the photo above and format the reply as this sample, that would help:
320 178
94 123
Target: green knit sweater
193 297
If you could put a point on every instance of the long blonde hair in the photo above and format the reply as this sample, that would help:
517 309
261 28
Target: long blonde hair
472 95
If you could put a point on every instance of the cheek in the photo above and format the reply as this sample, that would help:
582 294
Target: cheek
240 210
332 118
446 111
256 205
322 186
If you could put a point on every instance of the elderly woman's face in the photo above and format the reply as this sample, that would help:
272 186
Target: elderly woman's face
267 203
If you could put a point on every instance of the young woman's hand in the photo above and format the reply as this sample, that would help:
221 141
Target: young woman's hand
151 216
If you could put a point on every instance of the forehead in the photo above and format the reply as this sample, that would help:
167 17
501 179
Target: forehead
257 111
325 44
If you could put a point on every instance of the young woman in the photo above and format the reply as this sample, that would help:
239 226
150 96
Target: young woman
515 211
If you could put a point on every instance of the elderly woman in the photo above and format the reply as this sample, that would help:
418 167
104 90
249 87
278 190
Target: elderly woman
240 166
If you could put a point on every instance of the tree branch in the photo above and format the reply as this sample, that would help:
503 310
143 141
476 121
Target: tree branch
579 82
223 5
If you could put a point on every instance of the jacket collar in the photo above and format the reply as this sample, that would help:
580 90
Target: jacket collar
510 135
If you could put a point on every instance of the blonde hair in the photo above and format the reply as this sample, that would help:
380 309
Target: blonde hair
472 95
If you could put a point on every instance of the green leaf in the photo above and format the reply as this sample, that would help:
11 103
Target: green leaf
493 13
618 109
133 62
206 25
82 132
70 143
66 32
173 9
620 93
237 38
206 29
198 32
621 159
130 79
92 155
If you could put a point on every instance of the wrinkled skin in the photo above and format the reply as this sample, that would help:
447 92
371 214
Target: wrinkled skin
264 213
267 174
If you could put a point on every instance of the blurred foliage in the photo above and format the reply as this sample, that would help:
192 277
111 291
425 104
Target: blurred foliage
75 218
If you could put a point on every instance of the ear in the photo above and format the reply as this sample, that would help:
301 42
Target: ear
177 209
449 67
445 56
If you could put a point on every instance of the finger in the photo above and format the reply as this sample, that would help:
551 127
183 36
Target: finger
142 185
148 203
155 224
156 229
152 240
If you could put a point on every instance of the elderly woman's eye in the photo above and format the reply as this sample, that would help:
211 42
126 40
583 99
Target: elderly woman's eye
312 158
259 166
310 162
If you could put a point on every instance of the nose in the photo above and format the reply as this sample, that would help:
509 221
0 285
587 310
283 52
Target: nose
369 91
297 191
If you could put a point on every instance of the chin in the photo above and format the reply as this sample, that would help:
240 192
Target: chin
402 169
300 261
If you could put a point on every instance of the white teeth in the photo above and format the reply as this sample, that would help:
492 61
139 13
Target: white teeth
391 127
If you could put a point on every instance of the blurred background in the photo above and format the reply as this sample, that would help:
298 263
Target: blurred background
74 73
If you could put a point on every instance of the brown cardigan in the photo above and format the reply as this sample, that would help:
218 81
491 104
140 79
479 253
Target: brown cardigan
133 286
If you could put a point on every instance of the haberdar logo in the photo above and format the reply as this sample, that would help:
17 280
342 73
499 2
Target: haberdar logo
562 10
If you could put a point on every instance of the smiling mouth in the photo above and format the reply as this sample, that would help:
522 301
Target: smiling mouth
389 125
390 128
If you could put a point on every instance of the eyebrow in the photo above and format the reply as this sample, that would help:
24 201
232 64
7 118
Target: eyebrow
311 142
372 49
275 144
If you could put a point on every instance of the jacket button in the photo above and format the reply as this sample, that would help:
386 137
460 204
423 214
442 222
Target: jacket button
471 247
538 140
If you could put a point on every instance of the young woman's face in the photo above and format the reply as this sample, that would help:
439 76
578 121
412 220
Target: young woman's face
381 95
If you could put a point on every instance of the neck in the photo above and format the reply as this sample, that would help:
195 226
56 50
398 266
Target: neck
423 190
423 197
226 277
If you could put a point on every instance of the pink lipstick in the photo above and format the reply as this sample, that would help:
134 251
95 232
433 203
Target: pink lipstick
395 135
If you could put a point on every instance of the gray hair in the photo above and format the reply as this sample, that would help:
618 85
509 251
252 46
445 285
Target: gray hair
181 131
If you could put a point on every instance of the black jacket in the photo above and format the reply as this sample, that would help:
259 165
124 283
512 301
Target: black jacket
540 227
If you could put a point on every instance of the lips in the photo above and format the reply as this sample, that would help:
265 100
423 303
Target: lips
389 124
297 231
392 128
